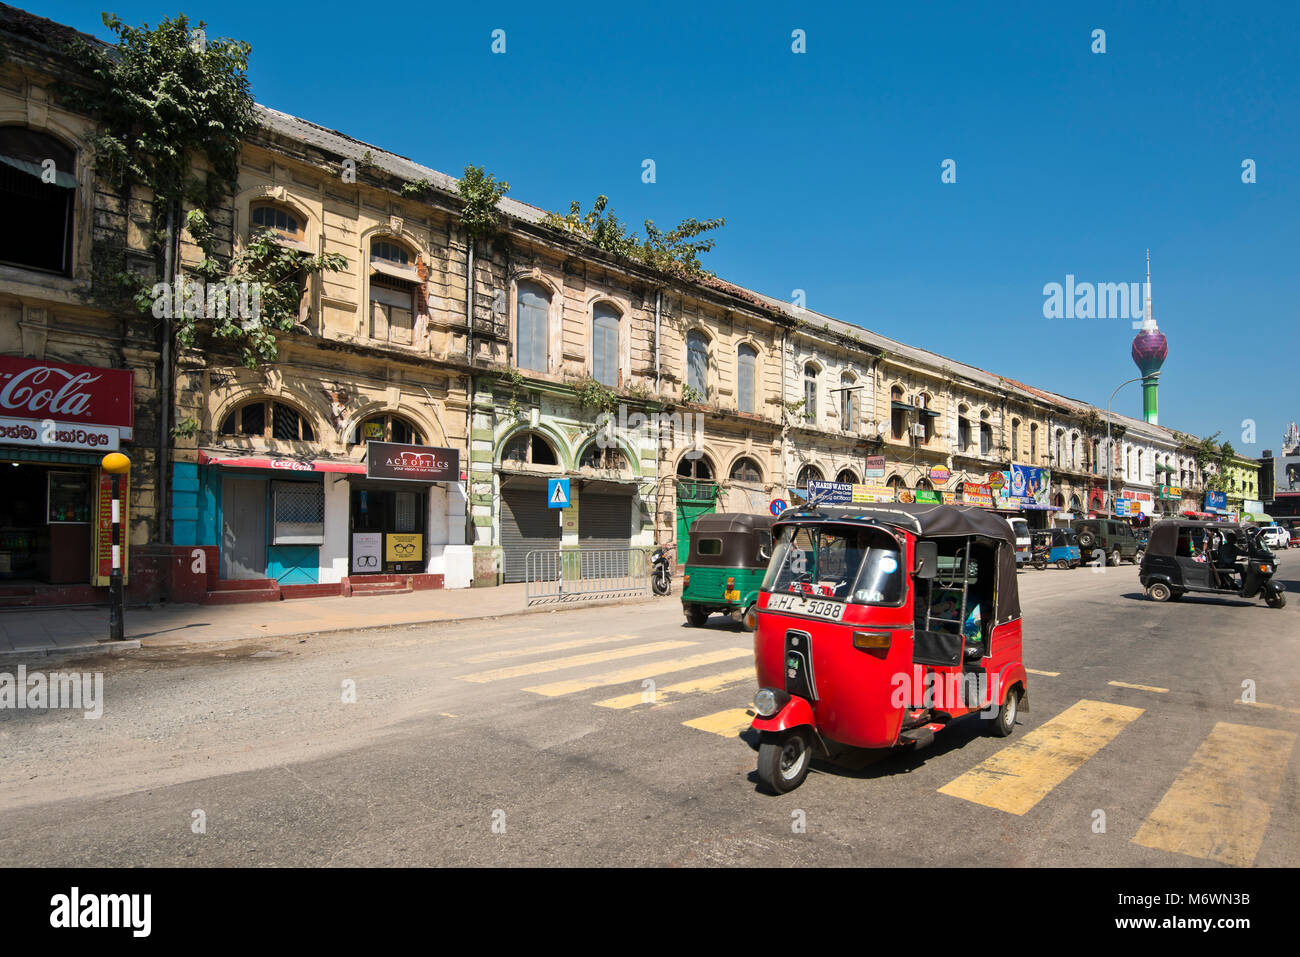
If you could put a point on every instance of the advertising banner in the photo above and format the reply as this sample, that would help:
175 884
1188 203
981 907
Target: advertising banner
875 466
1216 501
416 463
366 552
403 547
104 528
975 493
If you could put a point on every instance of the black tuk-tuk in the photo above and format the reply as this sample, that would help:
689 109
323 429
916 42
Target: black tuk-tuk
725 565
1224 558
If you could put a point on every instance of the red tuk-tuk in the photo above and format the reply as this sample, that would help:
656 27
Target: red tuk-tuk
879 625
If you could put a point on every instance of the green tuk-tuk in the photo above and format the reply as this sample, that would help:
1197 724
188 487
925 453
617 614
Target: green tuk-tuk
725 565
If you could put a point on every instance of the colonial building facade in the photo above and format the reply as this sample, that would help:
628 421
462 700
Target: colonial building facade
496 366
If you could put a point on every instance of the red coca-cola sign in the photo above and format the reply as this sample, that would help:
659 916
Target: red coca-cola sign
87 395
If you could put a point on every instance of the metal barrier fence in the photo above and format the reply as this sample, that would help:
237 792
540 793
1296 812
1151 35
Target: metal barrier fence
555 575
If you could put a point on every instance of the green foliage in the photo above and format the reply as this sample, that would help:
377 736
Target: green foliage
160 96
595 396
186 428
277 271
417 189
481 193
691 394
516 380
676 252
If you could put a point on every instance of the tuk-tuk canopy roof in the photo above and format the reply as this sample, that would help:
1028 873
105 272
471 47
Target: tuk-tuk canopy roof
1164 535
715 523
927 521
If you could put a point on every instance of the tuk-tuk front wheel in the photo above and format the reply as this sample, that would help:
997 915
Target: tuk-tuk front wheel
750 619
784 759
1005 720
1159 591
1275 599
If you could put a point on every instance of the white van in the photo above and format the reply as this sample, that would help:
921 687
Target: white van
1023 540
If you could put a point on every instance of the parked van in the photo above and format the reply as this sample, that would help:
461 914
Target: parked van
1024 542
1109 536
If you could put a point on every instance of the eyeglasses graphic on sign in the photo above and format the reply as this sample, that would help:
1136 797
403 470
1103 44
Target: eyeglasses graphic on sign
366 561
404 548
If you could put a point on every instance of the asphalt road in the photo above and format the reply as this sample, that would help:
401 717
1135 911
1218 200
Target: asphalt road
523 741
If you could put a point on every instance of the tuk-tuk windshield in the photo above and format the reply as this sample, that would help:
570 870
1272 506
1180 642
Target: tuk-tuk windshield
859 565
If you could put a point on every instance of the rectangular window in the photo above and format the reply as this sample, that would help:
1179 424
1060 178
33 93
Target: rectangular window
392 312
531 343
299 513
605 352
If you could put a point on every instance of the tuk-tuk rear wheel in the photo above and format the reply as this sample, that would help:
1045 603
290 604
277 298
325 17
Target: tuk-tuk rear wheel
784 759
1063 563
697 616
1159 591
1005 721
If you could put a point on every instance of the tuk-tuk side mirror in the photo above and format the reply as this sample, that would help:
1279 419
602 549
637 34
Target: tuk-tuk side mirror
927 559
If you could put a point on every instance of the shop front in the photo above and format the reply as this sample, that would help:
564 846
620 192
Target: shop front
57 421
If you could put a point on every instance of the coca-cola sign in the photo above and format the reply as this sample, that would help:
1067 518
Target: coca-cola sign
419 463
39 389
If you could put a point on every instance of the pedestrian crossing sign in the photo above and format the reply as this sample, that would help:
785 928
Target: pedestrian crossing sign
557 493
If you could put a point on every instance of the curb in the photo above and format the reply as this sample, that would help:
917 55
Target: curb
59 651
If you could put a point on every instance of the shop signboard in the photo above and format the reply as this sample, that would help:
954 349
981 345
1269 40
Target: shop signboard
1171 492
925 496
939 473
1124 508
37 390
976 493
872 494
413 463
1030 485
49 434
104 528
1216 501
366 552
830 493
403 547
875 466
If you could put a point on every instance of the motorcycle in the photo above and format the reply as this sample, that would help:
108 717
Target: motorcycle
661 574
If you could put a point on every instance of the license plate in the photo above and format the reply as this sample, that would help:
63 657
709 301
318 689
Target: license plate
813 607
731 595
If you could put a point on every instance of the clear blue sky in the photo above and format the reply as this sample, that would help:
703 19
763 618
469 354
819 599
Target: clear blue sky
826 164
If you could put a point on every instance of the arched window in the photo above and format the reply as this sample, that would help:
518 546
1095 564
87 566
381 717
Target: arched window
810 392
848 402
1074 450
897 413
285 223
1096 456
532 327
746 470
809 473
1059 455
529 448
697 362
925 484
1015 439
38 211
700 469
963 428
986 435
924 417
604 344
393 285
386 428
269 420
609 459
1033 441
746 378
846 477
895 482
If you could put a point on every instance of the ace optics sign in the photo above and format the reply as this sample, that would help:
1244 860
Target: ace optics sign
414 463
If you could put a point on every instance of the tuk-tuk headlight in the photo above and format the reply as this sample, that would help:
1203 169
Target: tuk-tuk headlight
768 701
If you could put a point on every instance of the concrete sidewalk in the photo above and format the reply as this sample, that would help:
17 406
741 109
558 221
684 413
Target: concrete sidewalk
58 631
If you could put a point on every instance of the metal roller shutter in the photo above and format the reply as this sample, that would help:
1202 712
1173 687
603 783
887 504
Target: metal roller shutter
526 524
605 521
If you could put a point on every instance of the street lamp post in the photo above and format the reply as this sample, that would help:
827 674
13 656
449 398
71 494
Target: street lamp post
116 464
1110 452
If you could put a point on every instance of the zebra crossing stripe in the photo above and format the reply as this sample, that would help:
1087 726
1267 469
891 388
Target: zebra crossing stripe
1022 774
706 685
1218 807
573 661
728 723
640 672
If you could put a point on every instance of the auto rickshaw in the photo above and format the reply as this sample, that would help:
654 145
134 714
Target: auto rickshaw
878 626
1056 546
725 564
1223 558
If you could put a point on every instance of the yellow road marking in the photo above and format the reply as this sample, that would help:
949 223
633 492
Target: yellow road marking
1125 684
1021 775
1218 807
726 723
573 661
543 649
662 695
1273 707
639 672
1046 674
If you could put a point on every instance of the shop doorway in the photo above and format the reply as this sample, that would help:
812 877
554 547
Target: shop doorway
527 523
243 528
46 524
388 527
